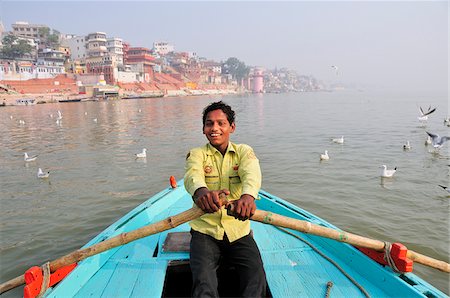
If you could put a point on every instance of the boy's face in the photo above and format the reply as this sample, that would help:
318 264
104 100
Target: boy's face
217 129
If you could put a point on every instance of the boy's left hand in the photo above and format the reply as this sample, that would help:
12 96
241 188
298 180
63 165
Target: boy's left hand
242 209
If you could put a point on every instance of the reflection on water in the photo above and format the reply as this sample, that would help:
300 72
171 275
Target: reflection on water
96 178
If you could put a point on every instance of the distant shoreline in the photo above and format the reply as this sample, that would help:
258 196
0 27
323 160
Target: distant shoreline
44 98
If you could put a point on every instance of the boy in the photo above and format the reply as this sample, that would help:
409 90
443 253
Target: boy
232 169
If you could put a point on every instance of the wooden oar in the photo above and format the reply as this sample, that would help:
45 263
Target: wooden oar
193 213
124 238
342 236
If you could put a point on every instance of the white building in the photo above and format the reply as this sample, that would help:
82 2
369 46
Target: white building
163 48
77 46
25 29
115 48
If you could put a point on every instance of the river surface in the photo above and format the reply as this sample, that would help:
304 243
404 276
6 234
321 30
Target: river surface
95 178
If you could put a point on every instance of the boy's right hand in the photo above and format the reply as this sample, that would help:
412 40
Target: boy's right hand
209 200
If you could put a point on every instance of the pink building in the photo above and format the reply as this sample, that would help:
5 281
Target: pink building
258 80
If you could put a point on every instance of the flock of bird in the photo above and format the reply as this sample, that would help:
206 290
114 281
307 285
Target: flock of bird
433 139
43 175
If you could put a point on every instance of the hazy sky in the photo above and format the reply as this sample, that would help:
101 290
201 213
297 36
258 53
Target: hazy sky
393 44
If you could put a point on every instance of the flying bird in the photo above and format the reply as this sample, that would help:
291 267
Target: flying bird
42 175
338 140
335 69
324 156
447 189
437 141
424 115
143 154
385 173
29 158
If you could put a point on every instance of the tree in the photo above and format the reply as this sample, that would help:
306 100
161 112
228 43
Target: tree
14 48
49 40
236 68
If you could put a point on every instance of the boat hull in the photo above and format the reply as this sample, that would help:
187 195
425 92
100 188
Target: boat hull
293 267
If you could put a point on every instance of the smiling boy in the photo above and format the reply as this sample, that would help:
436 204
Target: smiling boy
233 169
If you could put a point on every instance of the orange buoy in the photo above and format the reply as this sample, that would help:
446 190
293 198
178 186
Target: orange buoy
173 182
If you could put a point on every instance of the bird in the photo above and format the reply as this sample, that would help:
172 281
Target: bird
437 141
424 115
385 173
95 119
447 121
407 146
335 68
338 140
447 189
324 156
428 141
143 154
41 174
59 115
29 158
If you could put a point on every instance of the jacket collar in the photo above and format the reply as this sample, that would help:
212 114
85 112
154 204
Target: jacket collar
210 150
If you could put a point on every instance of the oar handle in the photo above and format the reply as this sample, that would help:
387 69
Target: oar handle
124 238
342 236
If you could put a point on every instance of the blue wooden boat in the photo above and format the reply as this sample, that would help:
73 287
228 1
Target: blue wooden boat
158 265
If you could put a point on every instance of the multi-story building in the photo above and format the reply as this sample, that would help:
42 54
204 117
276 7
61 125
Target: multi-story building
115 48
163 48
141 60
50 63
24 29
77 46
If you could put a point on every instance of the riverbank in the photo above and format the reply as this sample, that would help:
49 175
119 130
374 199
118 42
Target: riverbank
42 98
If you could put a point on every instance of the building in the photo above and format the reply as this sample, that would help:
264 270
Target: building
257 80
140 60
163 48
77 46
50 63
24 29
115 48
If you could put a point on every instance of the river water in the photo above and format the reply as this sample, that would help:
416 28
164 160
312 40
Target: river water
95 178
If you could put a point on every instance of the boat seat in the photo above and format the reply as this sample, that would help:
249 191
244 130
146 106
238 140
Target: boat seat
177 242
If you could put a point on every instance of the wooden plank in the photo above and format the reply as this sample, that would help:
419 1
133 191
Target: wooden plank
122 281
150 281
95 286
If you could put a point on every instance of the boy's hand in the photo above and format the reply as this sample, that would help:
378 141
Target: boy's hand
242 209
209 200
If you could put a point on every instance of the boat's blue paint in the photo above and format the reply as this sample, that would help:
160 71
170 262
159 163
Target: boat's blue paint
293 268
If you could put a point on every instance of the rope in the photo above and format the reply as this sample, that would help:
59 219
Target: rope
45 280
329 260
388 258
329 286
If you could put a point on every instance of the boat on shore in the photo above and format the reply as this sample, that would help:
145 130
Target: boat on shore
25 101
297 264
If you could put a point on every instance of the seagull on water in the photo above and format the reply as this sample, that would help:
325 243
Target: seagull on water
143 154
338 140
41 174
407 146
29 158
324 156
424 115
446 121
59 115
437 141
385 173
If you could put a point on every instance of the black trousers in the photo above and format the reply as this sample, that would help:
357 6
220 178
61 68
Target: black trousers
205 255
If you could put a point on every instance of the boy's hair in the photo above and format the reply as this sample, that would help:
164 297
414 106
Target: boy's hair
220 105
